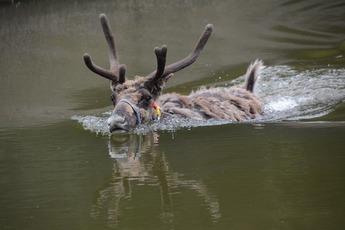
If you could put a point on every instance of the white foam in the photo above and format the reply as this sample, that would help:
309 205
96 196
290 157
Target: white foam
97 124
281 104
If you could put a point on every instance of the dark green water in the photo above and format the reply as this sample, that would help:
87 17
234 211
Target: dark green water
284 171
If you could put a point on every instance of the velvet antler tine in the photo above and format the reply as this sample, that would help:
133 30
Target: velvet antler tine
122 74
98 70
113 57
161 54
117 72
193 55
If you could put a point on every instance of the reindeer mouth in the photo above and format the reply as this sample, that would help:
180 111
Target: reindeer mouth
122 123
118 130
117 124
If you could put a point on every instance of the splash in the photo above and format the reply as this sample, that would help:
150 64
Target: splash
281 105
287 94
96 123
292 95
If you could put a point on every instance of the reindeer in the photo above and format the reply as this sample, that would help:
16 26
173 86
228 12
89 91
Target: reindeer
140 100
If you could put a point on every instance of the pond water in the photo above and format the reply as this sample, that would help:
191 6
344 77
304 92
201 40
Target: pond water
60 168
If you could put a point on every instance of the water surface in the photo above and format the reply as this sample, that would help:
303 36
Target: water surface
60 169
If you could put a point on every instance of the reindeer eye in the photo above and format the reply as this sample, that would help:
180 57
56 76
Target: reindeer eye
145 99
145 95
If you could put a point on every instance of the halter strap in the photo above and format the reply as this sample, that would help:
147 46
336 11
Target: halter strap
135 109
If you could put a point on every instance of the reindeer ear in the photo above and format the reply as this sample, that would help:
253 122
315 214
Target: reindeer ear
156 86
160 83
168 77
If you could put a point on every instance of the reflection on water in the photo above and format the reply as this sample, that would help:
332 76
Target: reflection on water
243 176
138 164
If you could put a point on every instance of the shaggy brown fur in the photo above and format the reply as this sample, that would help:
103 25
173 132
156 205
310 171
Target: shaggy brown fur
133 99
234 103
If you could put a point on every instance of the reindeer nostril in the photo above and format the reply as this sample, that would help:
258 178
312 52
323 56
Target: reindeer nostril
118 121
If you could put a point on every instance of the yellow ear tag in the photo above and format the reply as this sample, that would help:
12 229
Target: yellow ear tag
157 109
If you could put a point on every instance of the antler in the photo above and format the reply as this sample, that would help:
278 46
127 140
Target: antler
117 72
163 72
161 54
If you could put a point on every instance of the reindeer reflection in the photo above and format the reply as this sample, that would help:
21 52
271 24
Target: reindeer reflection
137 161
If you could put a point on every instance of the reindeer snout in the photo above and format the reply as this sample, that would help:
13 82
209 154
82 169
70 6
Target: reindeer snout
117 123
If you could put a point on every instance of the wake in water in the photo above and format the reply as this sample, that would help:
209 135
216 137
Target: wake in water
287 95
292 95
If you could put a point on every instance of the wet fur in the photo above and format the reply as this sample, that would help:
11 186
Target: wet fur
232 103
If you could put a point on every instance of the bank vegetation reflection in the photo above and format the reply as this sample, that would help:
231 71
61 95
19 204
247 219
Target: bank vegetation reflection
138 162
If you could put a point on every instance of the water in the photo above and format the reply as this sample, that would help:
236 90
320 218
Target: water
60 169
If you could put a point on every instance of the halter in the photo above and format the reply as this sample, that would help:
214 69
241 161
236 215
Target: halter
135 109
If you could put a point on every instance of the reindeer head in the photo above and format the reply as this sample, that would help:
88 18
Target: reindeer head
133 100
